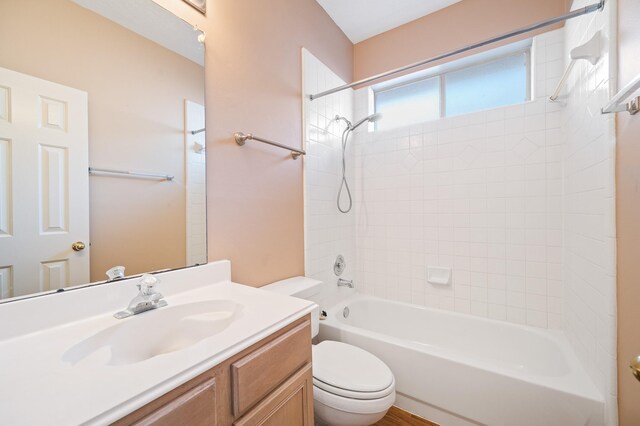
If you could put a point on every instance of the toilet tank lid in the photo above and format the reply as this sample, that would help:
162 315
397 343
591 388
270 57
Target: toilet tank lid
301 287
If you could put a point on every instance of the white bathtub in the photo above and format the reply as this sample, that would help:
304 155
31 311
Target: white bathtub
462 370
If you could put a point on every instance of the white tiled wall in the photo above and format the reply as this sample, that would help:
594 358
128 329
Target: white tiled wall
479 193
327 231
589 203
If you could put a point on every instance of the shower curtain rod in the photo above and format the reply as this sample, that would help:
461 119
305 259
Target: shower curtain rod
574 14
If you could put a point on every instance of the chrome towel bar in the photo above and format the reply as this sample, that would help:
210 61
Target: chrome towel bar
93 170
241 138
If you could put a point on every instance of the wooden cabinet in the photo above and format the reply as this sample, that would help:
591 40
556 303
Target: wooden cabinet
270 383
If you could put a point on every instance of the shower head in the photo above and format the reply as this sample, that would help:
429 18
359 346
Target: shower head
345 137
371 118
338 118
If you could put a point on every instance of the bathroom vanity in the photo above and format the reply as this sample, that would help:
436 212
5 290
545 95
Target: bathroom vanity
269 383
218 353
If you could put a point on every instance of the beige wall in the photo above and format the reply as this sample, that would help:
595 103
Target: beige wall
136 118
253 82
628 215
463 23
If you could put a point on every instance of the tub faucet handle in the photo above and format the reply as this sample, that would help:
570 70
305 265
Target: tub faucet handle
345 283
339 265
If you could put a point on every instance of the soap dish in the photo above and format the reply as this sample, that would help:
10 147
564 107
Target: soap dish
438 275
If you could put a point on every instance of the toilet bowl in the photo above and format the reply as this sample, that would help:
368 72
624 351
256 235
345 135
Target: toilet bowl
351 387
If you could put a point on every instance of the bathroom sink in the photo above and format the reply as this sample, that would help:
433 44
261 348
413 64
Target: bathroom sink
156 332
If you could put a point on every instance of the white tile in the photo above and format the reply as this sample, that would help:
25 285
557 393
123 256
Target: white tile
536 318
516 315
497 311
585 136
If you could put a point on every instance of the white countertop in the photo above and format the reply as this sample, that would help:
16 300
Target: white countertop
37 387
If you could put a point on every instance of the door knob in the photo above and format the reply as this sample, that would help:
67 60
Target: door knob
78 246
635 367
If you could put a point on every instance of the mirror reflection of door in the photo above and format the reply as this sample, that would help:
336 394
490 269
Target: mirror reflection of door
43 163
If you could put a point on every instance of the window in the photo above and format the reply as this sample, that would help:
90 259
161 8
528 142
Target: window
455 90
409 104
489 85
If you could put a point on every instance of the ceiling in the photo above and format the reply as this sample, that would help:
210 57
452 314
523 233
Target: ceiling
153 22
361 19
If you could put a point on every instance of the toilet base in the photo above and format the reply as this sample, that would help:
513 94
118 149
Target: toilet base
329 416
334 410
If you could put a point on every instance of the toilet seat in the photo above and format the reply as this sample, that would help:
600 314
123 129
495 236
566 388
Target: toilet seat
345 393
350 372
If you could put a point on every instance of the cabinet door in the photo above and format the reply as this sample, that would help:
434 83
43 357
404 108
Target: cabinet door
289 405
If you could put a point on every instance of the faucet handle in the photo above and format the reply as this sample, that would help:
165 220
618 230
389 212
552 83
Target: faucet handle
146 284
115 273
345 283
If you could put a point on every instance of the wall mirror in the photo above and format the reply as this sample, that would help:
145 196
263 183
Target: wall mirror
102 159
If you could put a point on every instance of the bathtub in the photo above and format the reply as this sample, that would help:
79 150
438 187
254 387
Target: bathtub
457 369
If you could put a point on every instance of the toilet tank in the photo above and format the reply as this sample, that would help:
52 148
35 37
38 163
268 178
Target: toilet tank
302 288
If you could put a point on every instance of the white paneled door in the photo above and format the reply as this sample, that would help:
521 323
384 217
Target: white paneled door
44 185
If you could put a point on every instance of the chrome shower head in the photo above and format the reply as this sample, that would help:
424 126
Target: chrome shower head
371 118
345 137
338 118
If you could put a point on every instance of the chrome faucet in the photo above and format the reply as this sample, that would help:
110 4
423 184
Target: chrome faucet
345 283
148 298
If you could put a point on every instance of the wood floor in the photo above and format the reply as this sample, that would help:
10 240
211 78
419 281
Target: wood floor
398 417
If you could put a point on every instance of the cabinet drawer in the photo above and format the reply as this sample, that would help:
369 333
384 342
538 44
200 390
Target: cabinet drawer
197 406
262 371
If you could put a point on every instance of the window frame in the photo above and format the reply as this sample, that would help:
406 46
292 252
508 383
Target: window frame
442 75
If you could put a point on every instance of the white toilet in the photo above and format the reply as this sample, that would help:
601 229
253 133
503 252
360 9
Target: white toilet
351 387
